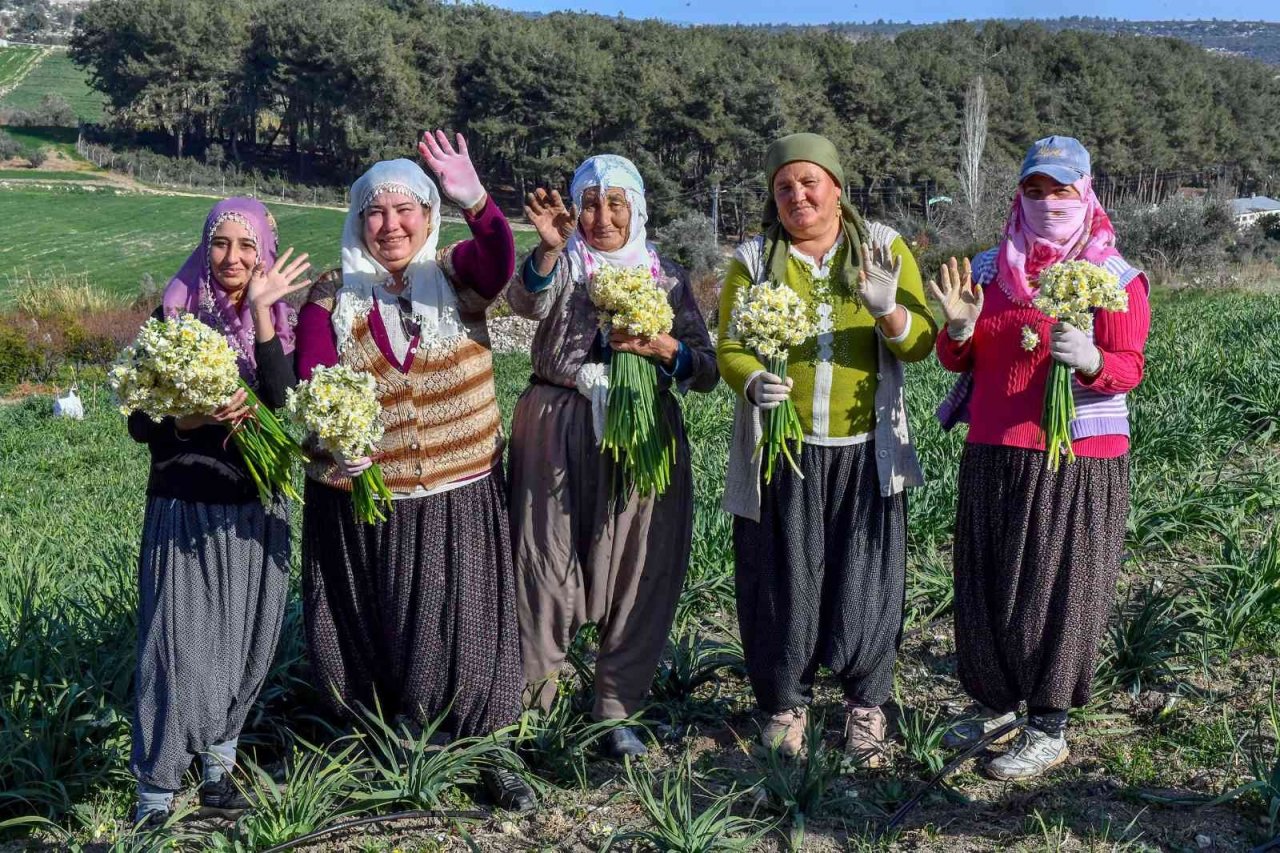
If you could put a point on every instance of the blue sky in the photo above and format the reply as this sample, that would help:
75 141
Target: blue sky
918 11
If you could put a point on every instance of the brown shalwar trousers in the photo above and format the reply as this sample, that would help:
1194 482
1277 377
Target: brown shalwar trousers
585 554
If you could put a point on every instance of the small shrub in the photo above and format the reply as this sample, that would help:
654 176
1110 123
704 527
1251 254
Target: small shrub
37 157
19 358
9 147
691 240
1186 235
54 111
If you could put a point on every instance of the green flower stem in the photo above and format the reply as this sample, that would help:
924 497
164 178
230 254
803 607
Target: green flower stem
634 434
268 451
370 495
1059 411
781 425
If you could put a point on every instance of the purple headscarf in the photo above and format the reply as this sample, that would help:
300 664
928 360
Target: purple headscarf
195 289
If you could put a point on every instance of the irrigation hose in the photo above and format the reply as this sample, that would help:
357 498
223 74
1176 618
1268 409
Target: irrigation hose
394 817
978 745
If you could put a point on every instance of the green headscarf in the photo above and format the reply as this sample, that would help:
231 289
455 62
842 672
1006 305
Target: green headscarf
811 148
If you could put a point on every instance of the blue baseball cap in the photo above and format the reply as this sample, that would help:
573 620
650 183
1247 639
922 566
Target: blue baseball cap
1060 157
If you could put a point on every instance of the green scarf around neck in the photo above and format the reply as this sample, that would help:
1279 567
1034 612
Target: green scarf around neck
811 148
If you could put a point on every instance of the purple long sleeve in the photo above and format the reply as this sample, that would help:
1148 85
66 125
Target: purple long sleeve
486 261
316 346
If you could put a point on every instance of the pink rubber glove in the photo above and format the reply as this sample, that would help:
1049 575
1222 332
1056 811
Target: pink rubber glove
458 178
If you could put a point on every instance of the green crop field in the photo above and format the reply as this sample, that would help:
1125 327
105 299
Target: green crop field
14 61
56 74
115 238
1180 741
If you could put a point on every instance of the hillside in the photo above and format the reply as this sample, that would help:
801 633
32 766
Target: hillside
1258 40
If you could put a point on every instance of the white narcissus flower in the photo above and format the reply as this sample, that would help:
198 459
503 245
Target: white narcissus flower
1030 340
175 367
631 301
771 318
1072 290
340 407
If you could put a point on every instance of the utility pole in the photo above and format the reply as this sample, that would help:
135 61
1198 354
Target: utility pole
715 207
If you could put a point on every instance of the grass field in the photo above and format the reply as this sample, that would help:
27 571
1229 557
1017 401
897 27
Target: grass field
1181 741
56 74
47 175
116 238
53 139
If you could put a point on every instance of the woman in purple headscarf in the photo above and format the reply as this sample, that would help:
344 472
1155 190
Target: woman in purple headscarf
214 569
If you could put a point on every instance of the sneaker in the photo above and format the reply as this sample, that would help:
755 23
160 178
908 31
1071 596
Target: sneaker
865 732
785 732
222 796
1033 753
622 742
509 790
966 732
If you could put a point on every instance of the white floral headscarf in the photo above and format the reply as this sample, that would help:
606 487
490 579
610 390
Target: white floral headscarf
608 171
435 305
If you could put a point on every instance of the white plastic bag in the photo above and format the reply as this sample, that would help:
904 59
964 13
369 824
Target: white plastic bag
69 406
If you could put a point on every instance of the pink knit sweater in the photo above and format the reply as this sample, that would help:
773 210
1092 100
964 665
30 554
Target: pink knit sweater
1009 382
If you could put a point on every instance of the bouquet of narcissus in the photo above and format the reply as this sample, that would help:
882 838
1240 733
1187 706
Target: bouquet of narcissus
638 437
770 319
1070 292
340 407
179 367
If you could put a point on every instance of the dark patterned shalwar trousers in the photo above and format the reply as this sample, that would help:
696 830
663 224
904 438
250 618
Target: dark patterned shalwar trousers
213 580
418 611
1036 559
821 580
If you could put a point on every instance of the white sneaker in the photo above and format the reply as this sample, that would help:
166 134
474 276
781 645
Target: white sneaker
971 729
1032 754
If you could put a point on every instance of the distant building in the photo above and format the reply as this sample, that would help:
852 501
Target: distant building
1249 210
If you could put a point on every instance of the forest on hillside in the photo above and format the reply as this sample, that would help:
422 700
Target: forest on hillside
327 86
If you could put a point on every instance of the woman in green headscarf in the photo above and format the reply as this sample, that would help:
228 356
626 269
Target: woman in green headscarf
821 559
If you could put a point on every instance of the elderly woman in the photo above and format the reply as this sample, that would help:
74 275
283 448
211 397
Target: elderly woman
821 558
214 568
416 615
585 553
1036 550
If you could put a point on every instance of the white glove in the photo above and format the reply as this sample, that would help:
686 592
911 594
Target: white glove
878 282
592 381
960 299
767 391
352 468
1072 347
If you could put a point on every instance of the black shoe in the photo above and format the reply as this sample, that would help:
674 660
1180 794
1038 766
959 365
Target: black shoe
223 796
508 790
152 820
622 742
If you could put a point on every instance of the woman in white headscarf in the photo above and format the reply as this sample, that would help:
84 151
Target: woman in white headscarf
417 613
584 553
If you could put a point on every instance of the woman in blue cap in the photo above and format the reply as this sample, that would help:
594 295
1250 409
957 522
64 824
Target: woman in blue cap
1037 550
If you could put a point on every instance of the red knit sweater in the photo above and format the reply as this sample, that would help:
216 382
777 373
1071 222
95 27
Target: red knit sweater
1009 382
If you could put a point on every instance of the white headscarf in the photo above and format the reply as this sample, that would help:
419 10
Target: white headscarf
435 306
607 171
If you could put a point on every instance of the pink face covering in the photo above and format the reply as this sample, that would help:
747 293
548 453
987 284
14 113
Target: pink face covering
1055 220
1039 234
